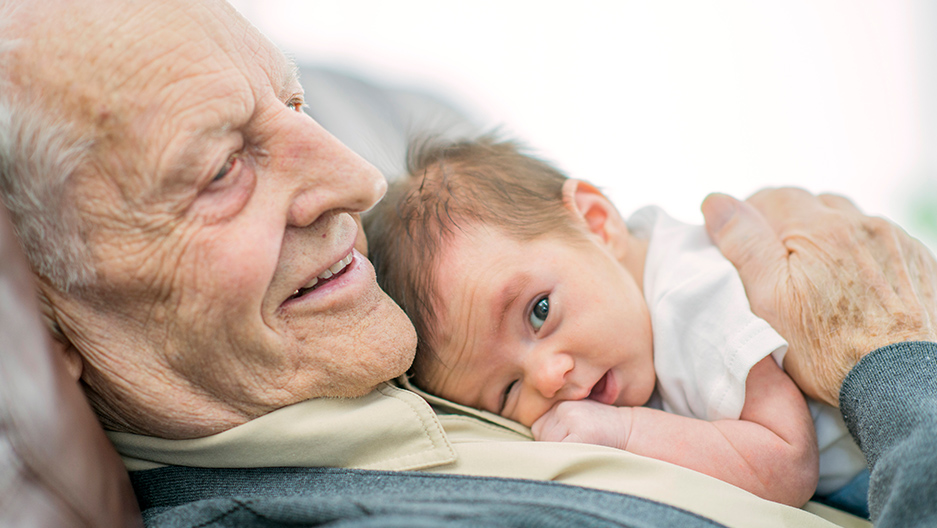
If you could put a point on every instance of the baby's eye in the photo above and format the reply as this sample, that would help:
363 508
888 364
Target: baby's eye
505 395
539 313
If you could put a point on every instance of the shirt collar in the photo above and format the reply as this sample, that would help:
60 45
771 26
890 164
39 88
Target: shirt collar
388 429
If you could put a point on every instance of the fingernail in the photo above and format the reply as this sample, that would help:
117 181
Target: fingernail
718 209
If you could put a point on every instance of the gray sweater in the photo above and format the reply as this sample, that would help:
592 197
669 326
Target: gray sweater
889 402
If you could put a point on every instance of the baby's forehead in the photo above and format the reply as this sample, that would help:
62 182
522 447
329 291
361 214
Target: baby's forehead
445 372
467 258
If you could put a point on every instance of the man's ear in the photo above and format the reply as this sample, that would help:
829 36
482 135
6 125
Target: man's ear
61 346
74 364
600 216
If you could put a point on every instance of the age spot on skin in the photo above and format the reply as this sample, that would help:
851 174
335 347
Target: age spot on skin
843 305
848 311
103 115
857 318
900 325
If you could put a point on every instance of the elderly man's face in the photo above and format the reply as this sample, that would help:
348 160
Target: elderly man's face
216 211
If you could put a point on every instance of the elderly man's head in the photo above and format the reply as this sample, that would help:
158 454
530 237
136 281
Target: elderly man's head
191 227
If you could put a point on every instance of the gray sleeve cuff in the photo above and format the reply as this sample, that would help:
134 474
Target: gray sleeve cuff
889 402
890 392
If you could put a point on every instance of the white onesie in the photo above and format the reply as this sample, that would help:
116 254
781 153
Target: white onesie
706 339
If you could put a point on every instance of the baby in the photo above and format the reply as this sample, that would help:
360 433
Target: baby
534 299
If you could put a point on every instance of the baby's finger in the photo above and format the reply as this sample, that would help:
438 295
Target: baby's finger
543 424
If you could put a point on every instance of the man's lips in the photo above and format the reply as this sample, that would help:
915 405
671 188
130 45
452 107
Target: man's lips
330 273
605 390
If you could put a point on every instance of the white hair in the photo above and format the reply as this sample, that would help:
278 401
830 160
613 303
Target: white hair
38 156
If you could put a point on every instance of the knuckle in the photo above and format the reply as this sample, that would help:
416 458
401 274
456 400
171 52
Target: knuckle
838 201
779 194
876 226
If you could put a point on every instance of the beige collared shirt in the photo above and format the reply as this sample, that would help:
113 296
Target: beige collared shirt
395 428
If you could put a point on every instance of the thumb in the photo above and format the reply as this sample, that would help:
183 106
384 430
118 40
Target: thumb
746 239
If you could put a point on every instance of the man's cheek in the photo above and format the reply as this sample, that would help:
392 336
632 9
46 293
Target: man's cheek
361 242
235 267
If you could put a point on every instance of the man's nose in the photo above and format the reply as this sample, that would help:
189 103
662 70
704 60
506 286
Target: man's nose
328 176
550 372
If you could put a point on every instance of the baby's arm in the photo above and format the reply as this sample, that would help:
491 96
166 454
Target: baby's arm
771 450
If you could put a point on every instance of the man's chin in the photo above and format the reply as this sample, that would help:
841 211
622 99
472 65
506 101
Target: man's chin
400 343
383 354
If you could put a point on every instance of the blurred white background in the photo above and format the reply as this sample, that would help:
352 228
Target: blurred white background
665 101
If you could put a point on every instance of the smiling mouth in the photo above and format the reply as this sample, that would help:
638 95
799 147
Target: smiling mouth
331 273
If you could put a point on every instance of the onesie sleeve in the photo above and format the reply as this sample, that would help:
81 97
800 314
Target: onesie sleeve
706 338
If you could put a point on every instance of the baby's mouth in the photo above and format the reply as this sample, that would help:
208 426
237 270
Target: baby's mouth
604 390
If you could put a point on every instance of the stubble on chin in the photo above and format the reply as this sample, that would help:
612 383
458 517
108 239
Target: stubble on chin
373 348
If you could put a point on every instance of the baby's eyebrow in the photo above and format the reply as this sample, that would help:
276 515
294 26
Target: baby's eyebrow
514 285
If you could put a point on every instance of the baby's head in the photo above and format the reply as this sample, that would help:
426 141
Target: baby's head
523 285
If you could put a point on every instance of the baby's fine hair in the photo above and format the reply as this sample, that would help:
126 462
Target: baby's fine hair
449 186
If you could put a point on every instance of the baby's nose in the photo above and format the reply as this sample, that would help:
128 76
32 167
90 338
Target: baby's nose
550 376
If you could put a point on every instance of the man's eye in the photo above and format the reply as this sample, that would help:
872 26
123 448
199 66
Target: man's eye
539 313
226 169
296 104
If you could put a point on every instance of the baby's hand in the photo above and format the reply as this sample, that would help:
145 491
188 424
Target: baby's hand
585 421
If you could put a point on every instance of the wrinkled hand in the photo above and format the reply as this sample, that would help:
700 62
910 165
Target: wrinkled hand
835 283
585 421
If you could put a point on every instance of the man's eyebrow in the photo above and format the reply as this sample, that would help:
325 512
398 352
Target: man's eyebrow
289 75
285 79
508 296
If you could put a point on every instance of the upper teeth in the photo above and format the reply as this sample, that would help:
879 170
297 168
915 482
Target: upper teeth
327 274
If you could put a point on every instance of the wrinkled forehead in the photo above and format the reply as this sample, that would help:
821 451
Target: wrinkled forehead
101 62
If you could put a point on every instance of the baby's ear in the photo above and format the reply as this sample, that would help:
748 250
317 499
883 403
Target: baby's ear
589 205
